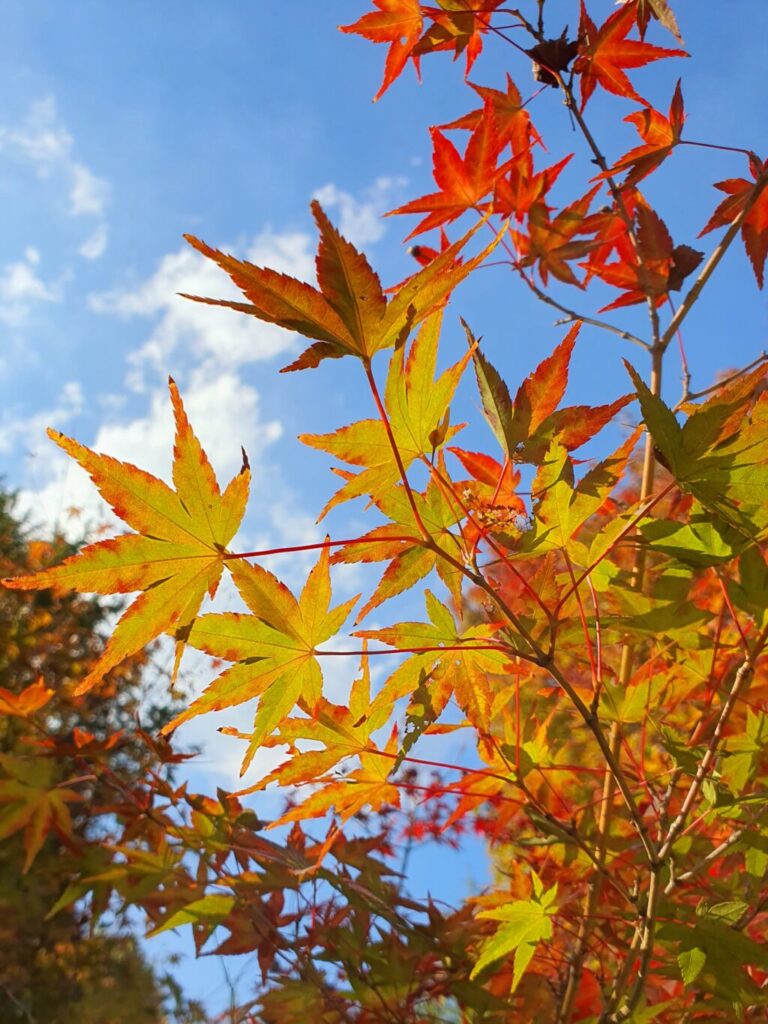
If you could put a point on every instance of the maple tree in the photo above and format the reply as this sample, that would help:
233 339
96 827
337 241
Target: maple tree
596 625
54 809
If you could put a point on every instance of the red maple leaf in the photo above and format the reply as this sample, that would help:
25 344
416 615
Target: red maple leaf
518 188
754 230
605 52
513 121
397 22
463 181
659 133
457 25
610 226
552 243
659 10
657 267
424 254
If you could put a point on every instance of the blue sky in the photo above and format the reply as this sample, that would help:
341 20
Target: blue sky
124 126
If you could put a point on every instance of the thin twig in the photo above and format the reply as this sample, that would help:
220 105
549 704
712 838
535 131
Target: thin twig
713 854
646 929
396 454
573 316
294 548
743 674
693 396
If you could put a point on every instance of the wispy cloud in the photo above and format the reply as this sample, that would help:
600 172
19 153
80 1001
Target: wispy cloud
21 288
88 194
361 217
28 432
94 245
43 141
205 333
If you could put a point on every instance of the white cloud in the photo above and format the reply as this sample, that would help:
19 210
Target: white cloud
361 220
41 138
224 412
88 193
21 288
206 333
231 339
43 141
95 244
29 431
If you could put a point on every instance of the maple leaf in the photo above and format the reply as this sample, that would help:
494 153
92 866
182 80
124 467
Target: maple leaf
176 557
518 188
410 560
457 25
720 455
349 314
522 925
657 267
397 22
368 787
471 657
463 181
537 397
24 704
340 732
657 9
513 122
605 53
561 506
660 134
551 243
34 803
610 226
525 428
754 230
274 648
417 407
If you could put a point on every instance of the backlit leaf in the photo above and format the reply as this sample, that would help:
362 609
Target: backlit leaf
175 558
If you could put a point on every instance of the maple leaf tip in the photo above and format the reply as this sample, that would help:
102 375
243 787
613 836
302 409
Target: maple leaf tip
246 462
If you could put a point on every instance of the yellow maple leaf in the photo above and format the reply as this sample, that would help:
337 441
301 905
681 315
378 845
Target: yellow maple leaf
175 557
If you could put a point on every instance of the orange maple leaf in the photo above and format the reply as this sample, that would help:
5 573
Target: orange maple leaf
349 314
605 53
754 230
463 181
273 648
551 242
657 267
513 122
610 226
457 25
176 556
397 22
660 134
518 188
525 427
33 802
22 705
